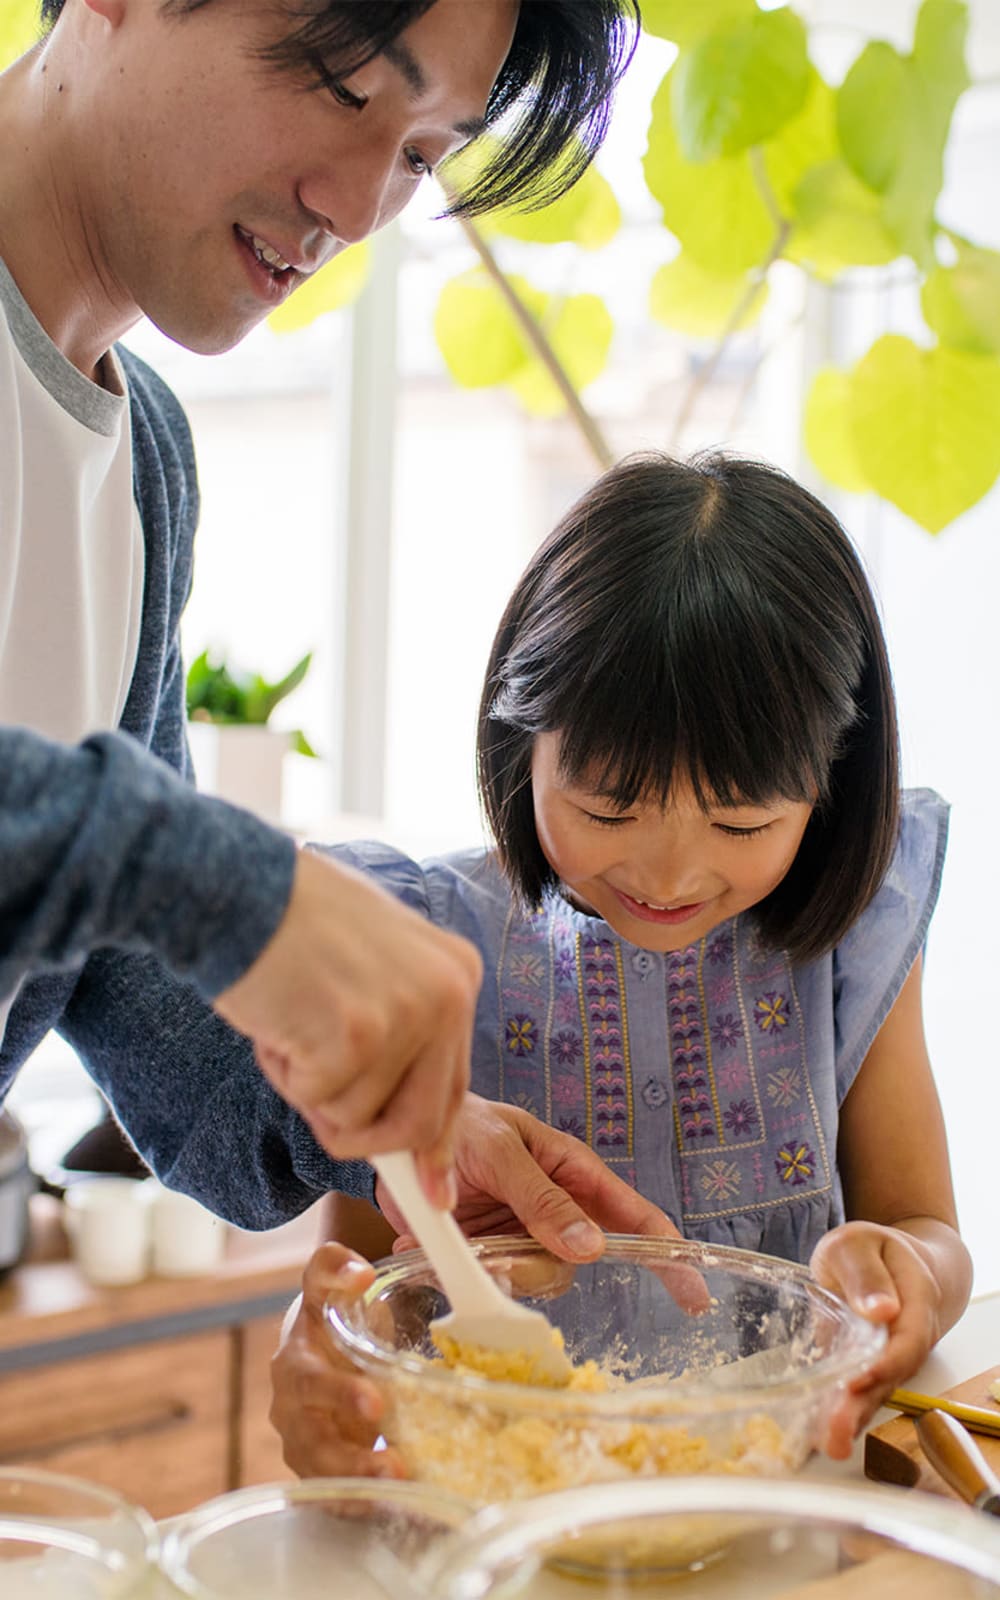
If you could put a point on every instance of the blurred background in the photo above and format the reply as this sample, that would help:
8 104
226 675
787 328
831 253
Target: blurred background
813 278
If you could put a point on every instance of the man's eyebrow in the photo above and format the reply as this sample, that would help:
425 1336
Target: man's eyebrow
402 58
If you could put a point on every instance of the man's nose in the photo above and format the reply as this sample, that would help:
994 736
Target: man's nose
352 196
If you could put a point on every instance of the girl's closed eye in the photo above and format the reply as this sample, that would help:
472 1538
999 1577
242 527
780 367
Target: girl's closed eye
603 820
735 832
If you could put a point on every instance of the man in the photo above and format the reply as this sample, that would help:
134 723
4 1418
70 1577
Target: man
193 161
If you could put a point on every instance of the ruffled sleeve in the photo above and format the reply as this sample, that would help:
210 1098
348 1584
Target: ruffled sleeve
871 964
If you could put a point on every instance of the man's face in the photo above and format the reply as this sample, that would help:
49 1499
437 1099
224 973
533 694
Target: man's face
227 180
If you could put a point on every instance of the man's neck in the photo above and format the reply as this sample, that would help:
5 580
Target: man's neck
44 239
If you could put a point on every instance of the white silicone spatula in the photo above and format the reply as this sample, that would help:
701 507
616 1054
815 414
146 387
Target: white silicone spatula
481 1314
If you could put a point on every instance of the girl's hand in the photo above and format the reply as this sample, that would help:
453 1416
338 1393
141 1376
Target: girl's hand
884 1275
327 1414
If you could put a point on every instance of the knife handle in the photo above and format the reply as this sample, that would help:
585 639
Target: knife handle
950 1450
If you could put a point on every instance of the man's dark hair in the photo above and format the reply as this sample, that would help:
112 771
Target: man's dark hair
553 93
707 621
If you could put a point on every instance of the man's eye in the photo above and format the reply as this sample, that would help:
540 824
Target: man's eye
417 163
342 94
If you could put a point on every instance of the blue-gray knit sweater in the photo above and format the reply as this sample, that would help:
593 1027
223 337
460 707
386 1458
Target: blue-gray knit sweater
127 900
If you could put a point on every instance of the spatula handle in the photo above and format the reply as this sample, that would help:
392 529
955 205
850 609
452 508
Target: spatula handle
956 1456
465 1281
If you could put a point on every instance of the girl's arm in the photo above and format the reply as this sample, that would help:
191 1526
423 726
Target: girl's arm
898 1259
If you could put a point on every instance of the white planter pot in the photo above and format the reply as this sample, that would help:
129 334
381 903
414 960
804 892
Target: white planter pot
242 764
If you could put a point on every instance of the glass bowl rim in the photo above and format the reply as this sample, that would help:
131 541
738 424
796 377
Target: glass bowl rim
237 1506
102 1497
674 1400
497 1534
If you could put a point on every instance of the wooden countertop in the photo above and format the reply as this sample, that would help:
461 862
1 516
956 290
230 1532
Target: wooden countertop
49 1311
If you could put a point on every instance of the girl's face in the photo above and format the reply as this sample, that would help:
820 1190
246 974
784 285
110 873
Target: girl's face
660 876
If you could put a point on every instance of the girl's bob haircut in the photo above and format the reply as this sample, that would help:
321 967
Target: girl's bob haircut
706 621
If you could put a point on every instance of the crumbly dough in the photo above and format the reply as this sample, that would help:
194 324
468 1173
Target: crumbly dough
492 1451
993 1389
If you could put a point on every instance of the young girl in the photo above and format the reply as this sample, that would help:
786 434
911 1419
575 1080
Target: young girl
702 922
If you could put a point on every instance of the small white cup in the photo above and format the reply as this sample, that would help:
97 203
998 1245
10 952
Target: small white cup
186 1238
107 1220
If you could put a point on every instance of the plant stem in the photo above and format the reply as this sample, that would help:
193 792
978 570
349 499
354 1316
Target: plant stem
540 344
744 305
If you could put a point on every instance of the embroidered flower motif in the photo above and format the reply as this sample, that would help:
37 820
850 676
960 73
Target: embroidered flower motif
727 1031
784 1085
770 1011
720 1180
733 1076
643 962
719 948
522 1034
564 965
527 968
795 1163
566 1090
655 1093
525 1102
566 1008
566 1048
741 1117
573 1125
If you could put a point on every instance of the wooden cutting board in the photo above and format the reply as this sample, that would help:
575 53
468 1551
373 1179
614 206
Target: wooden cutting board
893 1453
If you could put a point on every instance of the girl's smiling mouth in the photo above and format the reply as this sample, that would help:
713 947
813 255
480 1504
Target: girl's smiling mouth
665 915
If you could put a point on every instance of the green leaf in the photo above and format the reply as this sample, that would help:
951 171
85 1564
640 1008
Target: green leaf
927 427
936 76
736 87
809 140
686 21
19 29
476 332
580 330
714 208
962 303
829 430
216 693
333 286
684 296
588 215
872 112
276 692
301 745
839 222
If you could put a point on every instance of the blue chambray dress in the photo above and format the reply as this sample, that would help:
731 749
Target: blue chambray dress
709 1078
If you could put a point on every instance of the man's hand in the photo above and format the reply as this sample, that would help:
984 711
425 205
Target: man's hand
361 1015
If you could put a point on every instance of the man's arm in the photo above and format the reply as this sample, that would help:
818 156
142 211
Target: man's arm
360 1012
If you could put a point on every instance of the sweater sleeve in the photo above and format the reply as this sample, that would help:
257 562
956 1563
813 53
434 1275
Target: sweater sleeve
187 1088
102 844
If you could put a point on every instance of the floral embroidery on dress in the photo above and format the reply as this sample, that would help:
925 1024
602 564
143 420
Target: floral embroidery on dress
727 1031
741 1118
603 992
567 1048
522 1034
771 1011
795 1163
784 1085
719 948
527 968
721 1180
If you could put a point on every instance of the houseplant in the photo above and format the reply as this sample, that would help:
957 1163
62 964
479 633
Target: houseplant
236 753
